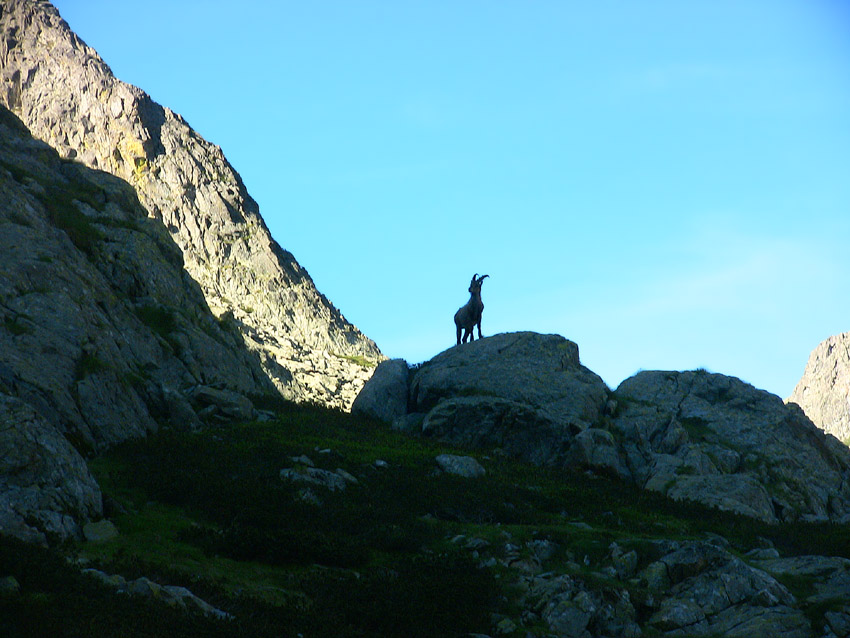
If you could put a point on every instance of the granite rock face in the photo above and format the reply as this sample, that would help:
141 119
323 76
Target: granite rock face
103 335
824 389
715 439
710 592
682 589
541 371
45 486
68 97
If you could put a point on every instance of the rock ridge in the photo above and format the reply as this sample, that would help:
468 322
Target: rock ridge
691 435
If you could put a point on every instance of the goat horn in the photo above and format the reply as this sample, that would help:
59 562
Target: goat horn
482 277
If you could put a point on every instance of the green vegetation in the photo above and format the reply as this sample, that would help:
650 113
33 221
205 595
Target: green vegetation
698 429
88 364
65 215
139 166
56 599
159 319
15 326
209 511
360 360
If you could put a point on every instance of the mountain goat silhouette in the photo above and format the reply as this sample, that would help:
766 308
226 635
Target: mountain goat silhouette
469 316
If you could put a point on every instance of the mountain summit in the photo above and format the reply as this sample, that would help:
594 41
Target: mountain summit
68 97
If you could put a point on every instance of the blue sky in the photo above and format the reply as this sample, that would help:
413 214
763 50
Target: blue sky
665 183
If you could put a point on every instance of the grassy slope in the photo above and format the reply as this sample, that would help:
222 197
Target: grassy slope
210 512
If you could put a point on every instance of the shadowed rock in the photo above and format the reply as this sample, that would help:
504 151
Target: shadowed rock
715 439
750 601
693 436
385 396
522 392
45 485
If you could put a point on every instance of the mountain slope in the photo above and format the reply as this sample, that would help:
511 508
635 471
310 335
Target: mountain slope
258 520
68 97
824 389
103 335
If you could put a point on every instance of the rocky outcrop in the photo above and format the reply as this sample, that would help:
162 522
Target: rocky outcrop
717 440
710 592
524 393
539 371
824 389
69 98
823 578
693 436
45 486
103 335
385 396
171 595
667 588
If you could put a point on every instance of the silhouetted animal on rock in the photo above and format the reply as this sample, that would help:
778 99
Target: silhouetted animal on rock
469 316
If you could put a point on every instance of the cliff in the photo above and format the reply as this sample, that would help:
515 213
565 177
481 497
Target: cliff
824 389
68 97
103 335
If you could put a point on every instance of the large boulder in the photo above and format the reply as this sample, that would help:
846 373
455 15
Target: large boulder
465 466
540 371
524 393
717 440
385 396
494 423
101 330
824 389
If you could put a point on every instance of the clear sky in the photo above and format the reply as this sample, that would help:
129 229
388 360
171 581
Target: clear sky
666 183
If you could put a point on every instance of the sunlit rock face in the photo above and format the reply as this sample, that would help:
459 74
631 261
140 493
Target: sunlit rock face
68 97
824 389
